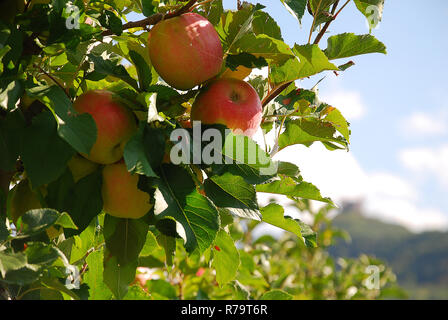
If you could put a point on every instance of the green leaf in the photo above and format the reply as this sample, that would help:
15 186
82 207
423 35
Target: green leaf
295 7
36 221
372 10
308 131
148 8
276 294
348 45
336 118
143 70
11 138
150 244
125 238
11 261
94 277
169 246
161 290
11 94
82 201
178 198
65 221
213 10
245 157
263 23
79 131
274 215
118 276
311 60
136 292
41 254
144 151
4 232
235 24
245 59
110 21
273 50
234 194
225 258
105 65
293 187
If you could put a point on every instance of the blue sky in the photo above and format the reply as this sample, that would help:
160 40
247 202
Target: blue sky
398 159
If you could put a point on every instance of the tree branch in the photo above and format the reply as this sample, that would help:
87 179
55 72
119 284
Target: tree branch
327 24
154 19
274 93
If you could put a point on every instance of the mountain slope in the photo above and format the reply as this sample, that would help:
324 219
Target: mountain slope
419 260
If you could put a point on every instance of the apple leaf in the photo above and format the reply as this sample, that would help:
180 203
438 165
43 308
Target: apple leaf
293 188
11 94
118 276
295 7
338 121
348 45
105 65
79 130
4 232
308 131
213 11
231 192
177 197
94 277
125 238
45 155
11 261
273 50
226 258
372 10
245 59
136 153
235 24
311 60
274 215
82 201
276 294
36 221
11 139
263 23
150 244
143 70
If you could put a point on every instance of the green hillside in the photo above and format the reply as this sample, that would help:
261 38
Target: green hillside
420 260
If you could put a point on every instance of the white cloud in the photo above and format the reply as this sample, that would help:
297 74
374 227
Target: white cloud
424 124
429 162
385 195
350 103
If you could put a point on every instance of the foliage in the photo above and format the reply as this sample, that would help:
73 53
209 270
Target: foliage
68 248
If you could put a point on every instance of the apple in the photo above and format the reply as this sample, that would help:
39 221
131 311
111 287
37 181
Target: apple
230 102
121 196
115 124
80 167
185 51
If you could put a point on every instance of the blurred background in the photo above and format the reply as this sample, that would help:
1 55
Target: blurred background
392 186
